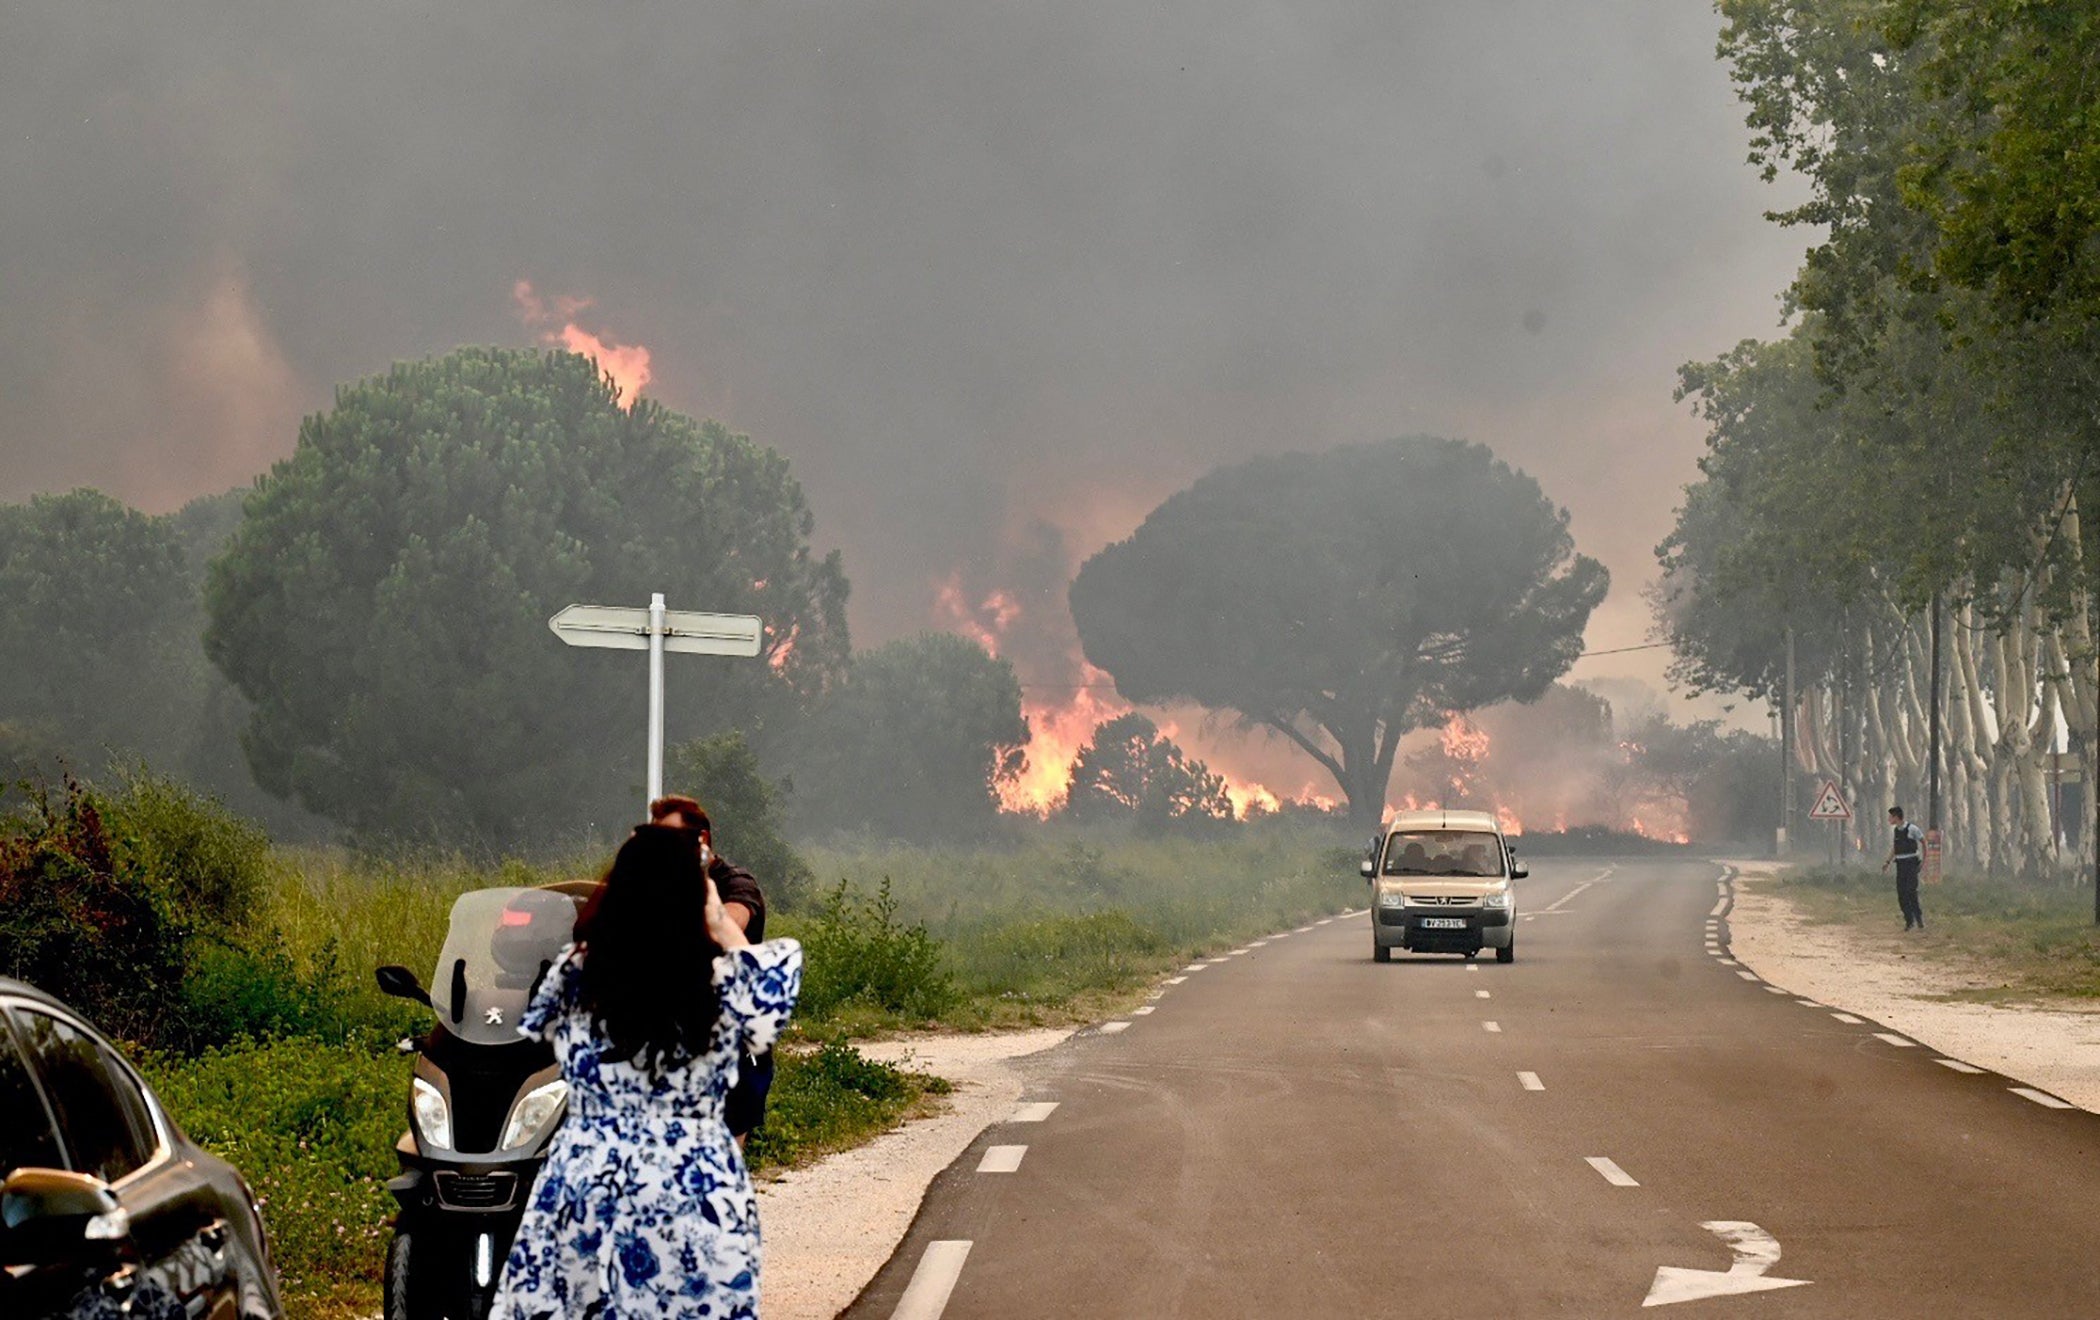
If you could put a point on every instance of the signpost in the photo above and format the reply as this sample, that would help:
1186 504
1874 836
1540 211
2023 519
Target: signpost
1831 806
656 630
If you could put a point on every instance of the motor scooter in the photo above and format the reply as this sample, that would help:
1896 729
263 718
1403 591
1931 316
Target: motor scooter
484 1102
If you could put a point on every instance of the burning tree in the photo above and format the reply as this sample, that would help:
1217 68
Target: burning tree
1345 598
1129 771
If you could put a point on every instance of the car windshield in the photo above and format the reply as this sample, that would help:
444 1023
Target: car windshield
1473 854
498 945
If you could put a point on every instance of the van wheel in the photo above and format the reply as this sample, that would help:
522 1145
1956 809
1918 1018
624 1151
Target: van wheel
1380 953
1508 952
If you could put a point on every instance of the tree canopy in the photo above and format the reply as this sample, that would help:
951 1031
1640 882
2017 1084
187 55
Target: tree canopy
1129 771
384 601
1344 598
913 743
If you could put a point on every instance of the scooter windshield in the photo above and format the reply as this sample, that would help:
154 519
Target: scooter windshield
498 945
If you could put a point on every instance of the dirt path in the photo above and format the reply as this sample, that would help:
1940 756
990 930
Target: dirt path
828 1228
2054 1046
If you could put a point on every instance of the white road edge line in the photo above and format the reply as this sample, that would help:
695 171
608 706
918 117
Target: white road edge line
1720 906
1176 980
1111 1028
1958 1066
1747 976
1001 1159
1893 1039
1611 1172
927 1294
1140 1012
1808 1003
1195 967
1036 1111
2041 1097
1777 990
1530 1081
1847 1019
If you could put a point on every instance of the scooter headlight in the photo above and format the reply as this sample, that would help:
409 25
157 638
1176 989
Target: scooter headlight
536 1111
433 1115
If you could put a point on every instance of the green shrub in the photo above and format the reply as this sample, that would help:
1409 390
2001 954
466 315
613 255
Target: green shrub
81 922
828 1100
312 1127
213 865
256 990
857 954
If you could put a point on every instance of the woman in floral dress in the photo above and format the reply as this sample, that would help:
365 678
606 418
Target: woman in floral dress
644 1208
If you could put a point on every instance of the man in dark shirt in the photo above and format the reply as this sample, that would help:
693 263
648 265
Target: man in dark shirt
1907 853
746 906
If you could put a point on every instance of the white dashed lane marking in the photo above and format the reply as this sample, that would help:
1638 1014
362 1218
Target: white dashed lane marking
1176 980
1111 1028
1195 967
1611 1172
1958 1066
1894 1039
1530 1081
1001 1159
1482 994
1847 1019
1491 1026
2041 1097
1140 1012
1472 967
1747 976
1034 1112
1808 1003
927 1294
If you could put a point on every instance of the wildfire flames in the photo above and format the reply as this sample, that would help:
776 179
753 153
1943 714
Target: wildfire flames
627 364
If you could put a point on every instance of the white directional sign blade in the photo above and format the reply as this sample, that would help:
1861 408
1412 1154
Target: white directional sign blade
1755 1252
621 627
626 628
713 634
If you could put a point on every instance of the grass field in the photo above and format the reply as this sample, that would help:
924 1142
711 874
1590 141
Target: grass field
1054 927
2031 939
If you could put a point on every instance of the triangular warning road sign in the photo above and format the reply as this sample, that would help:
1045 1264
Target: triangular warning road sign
1830 804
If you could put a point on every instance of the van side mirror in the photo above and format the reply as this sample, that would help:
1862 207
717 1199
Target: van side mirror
52 1217
1367 868
401 983
1518 871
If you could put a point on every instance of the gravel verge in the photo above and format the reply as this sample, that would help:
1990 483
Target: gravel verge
829 1227
2051 1044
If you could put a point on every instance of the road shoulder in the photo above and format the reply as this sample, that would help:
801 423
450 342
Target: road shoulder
829 1227
2053 1045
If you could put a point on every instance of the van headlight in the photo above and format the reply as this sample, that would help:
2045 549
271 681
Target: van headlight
433 1115
1392 898
536 1111
1496 900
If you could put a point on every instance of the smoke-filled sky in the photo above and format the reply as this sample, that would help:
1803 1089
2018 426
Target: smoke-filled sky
997 277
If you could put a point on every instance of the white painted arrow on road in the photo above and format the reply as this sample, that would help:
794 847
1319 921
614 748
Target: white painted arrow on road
1755 1252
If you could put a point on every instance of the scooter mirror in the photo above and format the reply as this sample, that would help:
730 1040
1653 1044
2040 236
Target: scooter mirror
401 983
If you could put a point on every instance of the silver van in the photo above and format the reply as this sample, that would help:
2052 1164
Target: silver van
1441 883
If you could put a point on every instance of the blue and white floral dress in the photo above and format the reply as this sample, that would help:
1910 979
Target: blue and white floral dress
644 1207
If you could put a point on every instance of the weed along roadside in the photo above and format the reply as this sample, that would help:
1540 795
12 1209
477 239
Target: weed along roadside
246 982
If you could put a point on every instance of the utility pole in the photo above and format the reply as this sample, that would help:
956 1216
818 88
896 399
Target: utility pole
1932 817
1786 752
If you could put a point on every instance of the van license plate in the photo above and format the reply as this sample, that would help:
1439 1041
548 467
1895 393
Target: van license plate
1443 923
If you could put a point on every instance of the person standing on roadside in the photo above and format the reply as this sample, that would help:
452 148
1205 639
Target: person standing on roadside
745 903
645 1206
1907 853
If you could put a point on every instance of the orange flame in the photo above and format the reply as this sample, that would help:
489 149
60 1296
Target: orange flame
626 364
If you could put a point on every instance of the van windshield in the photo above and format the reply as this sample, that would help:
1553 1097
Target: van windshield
1472 854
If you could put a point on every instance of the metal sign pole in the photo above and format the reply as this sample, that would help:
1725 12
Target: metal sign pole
656 699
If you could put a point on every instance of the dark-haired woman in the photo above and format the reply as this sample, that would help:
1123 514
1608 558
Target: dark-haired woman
644 1207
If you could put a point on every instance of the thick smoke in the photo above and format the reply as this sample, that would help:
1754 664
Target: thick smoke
991 275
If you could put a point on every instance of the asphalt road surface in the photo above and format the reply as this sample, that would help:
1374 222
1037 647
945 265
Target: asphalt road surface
1623 1116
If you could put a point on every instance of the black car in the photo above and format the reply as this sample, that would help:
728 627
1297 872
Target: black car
107 1209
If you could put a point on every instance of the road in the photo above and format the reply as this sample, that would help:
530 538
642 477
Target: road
1296 1131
